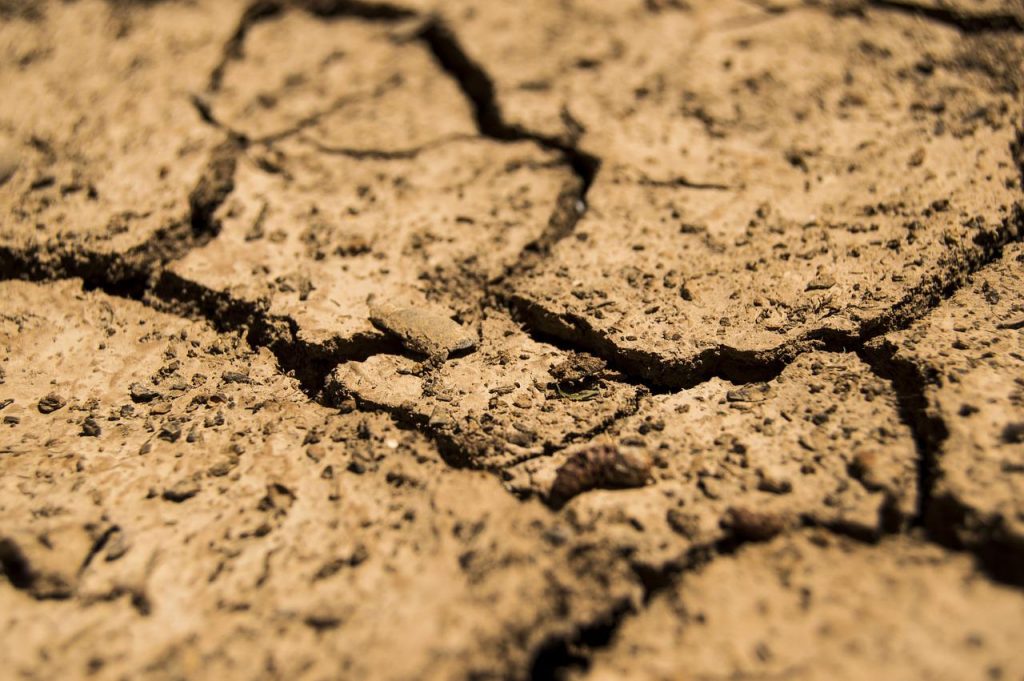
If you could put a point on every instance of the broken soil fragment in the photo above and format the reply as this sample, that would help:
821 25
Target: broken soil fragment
182 490
493 407
578 370
422 329
91 427
599 466
308 244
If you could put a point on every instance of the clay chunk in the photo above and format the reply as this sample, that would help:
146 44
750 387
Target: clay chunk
424 330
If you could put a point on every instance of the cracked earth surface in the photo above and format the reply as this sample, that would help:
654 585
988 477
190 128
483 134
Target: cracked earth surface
649 339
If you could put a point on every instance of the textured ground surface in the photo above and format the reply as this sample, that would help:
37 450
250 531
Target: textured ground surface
441 339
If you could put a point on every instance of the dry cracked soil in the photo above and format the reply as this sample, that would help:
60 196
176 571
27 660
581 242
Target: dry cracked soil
575 339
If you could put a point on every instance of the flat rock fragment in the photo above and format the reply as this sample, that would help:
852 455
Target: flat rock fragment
824 180
495 407
420 329
821 444
283 535
966 361
813 606
313 240
102 145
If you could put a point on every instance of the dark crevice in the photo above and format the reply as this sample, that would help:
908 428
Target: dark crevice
309 363
215 184
647 367
942 516
569 655
362 9
97 546
576 332
963 20
683 183
479 90
258 11
561 655
471 78
470 448
909 381
569 208
130 274
15 566
116 275
955 273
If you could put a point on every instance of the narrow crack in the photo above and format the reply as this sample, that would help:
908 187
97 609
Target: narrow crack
362 9
234 48
753 366
97 546
465 447
309 363
941 516
681 182
478 88
337 105
571 654
130 274
964 20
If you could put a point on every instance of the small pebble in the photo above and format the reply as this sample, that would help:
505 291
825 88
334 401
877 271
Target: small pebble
142 393
51 403
90 428
422 330
182 490
821 283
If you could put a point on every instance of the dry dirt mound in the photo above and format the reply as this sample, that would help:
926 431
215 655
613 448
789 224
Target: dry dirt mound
514 340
